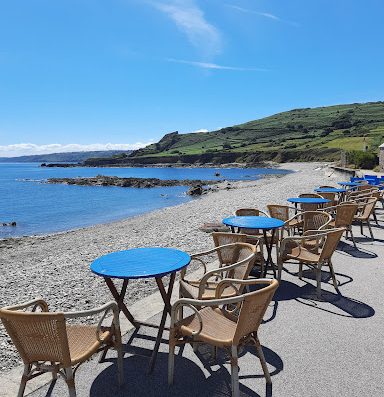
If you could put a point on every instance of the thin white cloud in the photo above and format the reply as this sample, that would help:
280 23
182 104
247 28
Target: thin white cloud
215 66
26 149
190 19
201 130
262 14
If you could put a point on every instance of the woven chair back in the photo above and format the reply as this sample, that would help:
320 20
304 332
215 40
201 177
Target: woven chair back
253 309
38 336
328 196
243 251
315 220
330 242
368 207
364 187
309 207
279 211
344 214
227 254
249 212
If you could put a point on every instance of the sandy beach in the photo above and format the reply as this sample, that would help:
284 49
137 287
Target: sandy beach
56 267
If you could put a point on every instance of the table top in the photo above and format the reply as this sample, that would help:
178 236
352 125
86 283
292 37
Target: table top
308 200
330 190
140 263
253 222
348 183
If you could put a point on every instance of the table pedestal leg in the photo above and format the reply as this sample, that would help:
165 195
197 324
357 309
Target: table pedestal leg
268 246
166 295
119 298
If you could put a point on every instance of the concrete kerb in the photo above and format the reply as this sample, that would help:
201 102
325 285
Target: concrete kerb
142 310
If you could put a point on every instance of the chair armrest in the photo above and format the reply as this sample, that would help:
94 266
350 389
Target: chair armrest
192 303
218 272
38 302
105 309
212 250
291 219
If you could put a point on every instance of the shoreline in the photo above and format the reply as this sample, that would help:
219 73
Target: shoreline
56 266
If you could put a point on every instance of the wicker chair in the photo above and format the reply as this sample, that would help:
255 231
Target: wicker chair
283 212
238 260
344 214
308 220
226 255
326 241
365 210
213 324
47 343
309 207
251 233
329 196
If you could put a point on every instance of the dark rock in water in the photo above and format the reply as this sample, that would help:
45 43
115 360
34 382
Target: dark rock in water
217 173
195 191
102 180
9 223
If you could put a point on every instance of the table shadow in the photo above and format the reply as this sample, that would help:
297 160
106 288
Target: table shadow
189 380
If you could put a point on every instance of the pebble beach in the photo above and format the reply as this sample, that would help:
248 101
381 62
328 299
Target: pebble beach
56 267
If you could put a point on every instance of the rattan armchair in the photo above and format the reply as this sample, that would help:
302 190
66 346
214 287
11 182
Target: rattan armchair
364 212
328 196
226 255
251 233
47 343
308 220
295 248
308 206
284 213
237 261
216 325
343 214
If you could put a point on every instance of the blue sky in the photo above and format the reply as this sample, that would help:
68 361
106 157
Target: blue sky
96 74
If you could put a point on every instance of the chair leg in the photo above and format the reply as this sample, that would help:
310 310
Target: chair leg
318 281
24 380
300 270
120 363
353 238
279 269
375 217
262 360
70 381
171 358
370 229
214 353
54 373
333 275
234 372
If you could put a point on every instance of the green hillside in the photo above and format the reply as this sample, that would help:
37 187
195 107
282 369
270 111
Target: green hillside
299 134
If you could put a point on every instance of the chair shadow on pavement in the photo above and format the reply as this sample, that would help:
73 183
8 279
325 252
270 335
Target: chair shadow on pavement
348 249
189 380
306 294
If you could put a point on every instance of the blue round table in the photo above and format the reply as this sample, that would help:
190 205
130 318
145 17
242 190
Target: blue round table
330 190
142 263
258 222
348 184
308 200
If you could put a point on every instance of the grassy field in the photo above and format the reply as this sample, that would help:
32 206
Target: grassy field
325 130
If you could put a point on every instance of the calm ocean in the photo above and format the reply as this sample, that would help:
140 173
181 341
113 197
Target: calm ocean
40 208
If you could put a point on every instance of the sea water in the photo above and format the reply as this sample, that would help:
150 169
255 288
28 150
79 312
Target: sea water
40 208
